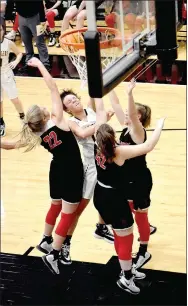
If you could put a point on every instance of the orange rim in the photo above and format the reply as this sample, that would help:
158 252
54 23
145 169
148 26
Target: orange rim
105 44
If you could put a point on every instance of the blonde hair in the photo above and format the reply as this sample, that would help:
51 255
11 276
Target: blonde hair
33 123
145 112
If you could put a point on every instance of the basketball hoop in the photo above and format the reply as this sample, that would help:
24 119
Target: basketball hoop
73 43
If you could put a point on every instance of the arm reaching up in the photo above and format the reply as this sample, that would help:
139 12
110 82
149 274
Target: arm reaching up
57 108
137 131
117 107
100 113
127 152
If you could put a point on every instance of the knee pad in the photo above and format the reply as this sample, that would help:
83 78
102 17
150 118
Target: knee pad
53 213
143 225
125 247
115 242
65 223
81 208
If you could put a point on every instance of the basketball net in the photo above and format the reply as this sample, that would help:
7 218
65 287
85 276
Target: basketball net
76 52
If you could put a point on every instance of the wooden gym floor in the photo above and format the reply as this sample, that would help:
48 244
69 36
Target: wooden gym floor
24 185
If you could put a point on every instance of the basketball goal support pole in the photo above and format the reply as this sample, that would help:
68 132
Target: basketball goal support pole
166 30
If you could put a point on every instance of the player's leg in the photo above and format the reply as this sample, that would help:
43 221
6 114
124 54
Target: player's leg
45 244
111 206
55 209
65 257
67 218
2 123
143 256
141 204
69 190
9 86
129 275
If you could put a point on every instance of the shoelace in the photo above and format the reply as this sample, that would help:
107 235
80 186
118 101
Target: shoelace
106 231
132 282
65 250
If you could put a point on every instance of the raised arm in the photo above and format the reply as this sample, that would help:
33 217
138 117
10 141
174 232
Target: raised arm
91 104
117 107
100 113
126 152
57 108
137 131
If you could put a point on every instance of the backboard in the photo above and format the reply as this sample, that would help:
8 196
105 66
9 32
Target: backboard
135 21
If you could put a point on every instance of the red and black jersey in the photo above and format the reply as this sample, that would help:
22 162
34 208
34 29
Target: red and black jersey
63 146
109 174
134 165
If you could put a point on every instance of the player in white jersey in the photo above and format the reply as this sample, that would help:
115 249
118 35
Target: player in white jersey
8 83
82 124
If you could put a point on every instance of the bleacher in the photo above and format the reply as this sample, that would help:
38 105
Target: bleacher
62 66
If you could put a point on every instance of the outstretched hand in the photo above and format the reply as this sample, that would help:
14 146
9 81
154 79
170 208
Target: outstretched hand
131 85
160 122
34 62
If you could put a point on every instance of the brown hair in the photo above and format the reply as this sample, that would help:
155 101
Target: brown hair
145 112
65 93
33 123
105 138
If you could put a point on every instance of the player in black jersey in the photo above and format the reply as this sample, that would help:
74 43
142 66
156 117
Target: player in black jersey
77 11
110 197
66 169
136 119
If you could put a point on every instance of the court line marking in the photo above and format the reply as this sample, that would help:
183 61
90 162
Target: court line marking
30 249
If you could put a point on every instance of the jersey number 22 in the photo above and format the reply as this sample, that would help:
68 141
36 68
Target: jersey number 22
51 139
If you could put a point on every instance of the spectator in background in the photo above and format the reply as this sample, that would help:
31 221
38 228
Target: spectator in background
32 24
77 12
3 8
53 8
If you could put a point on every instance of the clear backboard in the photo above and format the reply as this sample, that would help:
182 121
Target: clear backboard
119 36
144 28
132 20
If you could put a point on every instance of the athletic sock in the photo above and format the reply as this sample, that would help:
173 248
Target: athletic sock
142 249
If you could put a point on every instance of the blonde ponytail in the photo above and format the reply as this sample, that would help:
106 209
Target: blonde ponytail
33 123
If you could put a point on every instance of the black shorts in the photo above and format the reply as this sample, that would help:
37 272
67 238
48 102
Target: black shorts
65 184
61 10
139 189
113 207
77 3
